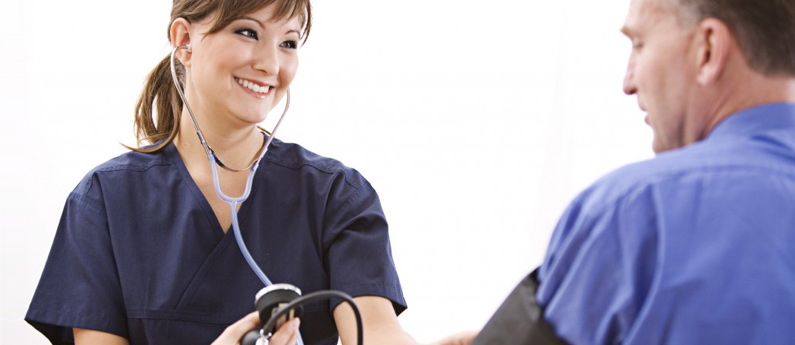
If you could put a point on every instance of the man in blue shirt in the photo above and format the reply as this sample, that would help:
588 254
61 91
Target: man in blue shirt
696 246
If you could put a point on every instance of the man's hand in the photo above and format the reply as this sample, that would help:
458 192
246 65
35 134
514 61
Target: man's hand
463 338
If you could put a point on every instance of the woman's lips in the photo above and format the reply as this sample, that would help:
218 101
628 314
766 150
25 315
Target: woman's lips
255 88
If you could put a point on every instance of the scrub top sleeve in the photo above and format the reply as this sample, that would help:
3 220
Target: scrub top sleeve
599 268
358 252
79 287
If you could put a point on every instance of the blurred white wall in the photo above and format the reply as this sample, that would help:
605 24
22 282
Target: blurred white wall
477 125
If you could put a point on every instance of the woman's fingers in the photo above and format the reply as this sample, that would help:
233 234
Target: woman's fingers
235 331
287 334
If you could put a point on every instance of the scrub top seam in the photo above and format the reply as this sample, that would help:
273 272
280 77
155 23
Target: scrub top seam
134 167
344 172
348 203
98 172
181 316
82 201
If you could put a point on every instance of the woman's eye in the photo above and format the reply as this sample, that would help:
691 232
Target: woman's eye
289 44
247 32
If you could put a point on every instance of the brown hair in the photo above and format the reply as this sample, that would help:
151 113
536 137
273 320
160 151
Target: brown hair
764 29
159 100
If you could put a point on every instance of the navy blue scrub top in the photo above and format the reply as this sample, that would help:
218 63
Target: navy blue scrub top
139 252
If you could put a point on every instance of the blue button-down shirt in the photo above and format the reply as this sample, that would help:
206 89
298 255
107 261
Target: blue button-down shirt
696 246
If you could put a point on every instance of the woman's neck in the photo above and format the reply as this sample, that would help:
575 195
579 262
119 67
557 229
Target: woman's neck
235 146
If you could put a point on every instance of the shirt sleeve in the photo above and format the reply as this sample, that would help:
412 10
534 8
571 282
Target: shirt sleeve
358 253
79 287
600 267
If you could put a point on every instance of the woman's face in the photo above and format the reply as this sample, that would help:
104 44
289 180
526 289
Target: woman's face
237 75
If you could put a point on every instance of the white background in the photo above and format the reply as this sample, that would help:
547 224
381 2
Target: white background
477 122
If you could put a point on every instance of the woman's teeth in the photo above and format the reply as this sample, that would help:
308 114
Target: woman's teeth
253 87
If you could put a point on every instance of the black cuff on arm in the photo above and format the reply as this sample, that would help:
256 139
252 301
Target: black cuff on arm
519 320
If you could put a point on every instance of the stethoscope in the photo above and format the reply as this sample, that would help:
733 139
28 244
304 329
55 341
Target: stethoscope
215 162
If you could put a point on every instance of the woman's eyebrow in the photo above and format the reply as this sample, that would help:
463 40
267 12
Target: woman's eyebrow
263 25
253 20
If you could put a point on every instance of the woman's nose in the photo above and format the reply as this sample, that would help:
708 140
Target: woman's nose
267 60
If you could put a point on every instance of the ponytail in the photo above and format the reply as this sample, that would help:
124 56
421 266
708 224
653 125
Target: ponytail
159 101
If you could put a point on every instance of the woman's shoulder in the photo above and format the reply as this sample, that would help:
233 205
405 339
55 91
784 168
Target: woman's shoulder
295 157
137 161
125 167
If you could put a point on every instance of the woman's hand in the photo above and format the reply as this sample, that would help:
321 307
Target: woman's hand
287 334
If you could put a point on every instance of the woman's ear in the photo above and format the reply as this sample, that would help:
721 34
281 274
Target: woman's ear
180 36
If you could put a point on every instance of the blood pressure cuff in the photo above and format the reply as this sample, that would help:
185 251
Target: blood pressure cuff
519 320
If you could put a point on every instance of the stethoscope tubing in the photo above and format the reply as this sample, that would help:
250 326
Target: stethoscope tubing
212 159
232 201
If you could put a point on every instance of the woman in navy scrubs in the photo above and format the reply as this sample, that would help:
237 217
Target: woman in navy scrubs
143 253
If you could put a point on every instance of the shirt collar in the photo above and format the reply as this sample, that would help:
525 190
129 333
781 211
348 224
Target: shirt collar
762 118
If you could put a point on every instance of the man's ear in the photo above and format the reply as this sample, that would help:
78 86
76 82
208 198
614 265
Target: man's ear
714 42
180 36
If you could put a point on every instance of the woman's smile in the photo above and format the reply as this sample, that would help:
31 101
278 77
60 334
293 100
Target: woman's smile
255 88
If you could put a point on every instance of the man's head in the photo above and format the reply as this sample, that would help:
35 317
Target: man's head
764 29
694 62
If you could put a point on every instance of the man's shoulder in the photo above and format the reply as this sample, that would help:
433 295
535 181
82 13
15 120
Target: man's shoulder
698 162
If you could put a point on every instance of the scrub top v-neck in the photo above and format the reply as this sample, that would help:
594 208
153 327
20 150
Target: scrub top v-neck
139 252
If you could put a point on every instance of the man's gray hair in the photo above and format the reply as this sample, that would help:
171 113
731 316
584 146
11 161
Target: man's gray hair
764 29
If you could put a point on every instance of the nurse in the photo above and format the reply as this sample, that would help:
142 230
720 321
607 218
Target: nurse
144 254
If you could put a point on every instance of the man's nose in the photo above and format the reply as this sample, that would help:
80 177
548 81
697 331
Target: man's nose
630 88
